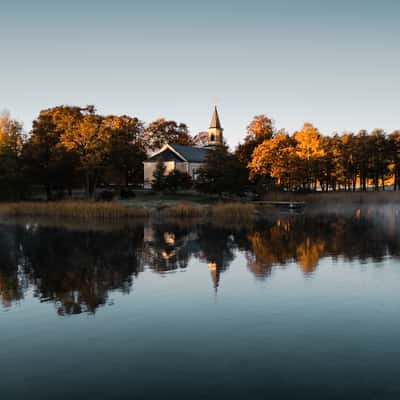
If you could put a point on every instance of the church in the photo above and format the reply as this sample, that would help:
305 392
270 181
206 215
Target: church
187 159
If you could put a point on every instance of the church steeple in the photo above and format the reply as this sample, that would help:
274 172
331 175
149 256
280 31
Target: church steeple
215 130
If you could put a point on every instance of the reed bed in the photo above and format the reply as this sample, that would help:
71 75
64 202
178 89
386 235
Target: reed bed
234 212
185 210
73 209
242 213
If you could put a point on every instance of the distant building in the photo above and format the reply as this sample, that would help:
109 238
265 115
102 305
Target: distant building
187 159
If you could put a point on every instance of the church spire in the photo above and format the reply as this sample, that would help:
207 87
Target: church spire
215 120
215 130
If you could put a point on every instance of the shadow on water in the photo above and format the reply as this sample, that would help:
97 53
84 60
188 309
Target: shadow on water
77 267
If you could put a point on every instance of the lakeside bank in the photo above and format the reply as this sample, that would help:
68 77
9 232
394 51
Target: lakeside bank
182 208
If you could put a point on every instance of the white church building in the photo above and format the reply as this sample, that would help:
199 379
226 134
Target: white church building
187 159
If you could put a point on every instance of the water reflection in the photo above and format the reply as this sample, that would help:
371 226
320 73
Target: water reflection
78 269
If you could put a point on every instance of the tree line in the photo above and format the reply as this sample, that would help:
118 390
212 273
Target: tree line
309 161
69 147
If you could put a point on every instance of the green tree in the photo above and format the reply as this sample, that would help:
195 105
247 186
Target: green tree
127 149
159 178
222 173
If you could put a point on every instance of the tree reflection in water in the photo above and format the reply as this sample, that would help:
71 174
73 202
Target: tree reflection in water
77 269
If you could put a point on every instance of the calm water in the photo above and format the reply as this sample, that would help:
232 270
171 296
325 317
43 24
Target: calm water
298 307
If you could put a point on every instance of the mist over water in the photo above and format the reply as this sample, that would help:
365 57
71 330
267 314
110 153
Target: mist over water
296 306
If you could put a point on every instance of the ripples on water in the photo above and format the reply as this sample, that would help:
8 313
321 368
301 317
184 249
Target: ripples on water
244 288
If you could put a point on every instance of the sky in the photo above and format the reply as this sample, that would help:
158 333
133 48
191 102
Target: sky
335 64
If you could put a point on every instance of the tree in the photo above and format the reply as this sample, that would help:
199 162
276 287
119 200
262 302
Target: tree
47 160
380 158
222 173
161 132
11 168
394 145
309 153
260 128
127 149
275 158
159 176
176 180
89 139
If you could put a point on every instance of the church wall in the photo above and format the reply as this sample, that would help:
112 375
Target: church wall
149 168
181 167
189 168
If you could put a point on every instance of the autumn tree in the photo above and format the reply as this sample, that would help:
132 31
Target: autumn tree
260 128
12 181
394 146
161 132
275 158
309 153
90 140
48 162
380 158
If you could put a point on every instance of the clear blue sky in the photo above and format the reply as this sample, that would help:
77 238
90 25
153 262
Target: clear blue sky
333 63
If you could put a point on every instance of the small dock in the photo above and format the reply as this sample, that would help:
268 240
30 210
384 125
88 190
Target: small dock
291 205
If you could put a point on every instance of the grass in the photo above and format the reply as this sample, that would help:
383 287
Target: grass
157 200
72 209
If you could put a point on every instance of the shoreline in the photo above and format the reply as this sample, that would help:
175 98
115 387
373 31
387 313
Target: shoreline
242 212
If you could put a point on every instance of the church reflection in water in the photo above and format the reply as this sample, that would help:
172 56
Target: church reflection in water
77 269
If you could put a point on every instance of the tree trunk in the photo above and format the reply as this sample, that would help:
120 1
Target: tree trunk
87 184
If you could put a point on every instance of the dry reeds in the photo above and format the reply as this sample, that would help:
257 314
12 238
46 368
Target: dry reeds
220 212
72 209
184 210
234 212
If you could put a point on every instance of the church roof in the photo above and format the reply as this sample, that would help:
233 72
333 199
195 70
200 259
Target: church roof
191 154
215 123
170 152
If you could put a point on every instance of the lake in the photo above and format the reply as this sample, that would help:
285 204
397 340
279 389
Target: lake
295 307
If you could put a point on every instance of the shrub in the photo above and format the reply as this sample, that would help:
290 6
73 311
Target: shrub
126 193
176 180
105 195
